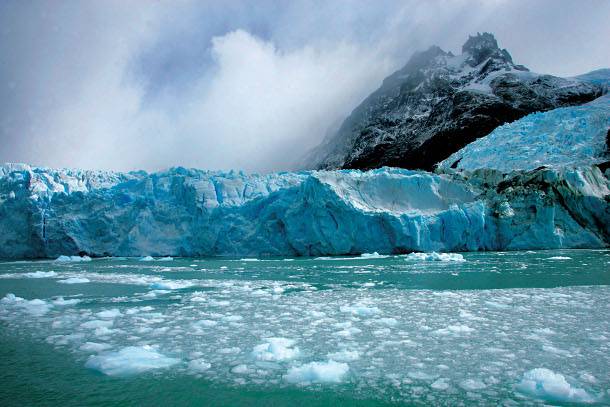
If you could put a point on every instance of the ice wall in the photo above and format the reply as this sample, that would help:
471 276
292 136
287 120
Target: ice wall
185 212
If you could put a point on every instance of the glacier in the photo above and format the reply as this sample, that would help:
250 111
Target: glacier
565 136
188 212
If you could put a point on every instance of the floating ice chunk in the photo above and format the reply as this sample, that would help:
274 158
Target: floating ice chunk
97 323
199 365
240 369
147 258
419 375
317 372
167 258
440 384
232 318
547 385
130 360
60 301
276 349
454 330
472 385
75 280
229 351
387 321
360 310
344 355
94 347
171 285
249 259
434 256
374 255
41 274
34 307
109 314
66 259
205 323
559 258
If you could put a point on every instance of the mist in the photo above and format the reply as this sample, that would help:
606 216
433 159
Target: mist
239 84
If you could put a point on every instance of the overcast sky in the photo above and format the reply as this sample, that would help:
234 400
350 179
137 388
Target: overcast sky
239 84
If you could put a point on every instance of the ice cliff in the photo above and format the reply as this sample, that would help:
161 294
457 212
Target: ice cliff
186 212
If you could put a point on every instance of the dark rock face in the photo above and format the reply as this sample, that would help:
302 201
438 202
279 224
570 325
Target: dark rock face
439 102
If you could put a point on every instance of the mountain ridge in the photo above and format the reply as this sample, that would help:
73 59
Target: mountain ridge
439 102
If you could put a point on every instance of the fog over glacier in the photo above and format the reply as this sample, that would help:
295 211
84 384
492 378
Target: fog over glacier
251 85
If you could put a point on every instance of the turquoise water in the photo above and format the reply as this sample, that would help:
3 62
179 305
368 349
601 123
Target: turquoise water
331 331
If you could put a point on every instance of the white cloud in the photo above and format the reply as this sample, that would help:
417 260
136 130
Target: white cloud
264 94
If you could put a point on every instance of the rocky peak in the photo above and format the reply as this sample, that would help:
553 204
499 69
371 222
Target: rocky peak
483 46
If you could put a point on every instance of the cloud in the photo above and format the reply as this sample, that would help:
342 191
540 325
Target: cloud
248 85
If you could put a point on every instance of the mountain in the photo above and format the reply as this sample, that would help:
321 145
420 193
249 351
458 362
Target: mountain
187 212
439 102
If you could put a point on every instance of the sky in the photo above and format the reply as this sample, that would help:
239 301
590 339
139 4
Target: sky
239 84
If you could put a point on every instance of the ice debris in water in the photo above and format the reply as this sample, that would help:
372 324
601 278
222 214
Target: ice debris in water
373 255
199 365
130 360
147 258
476 343
276 349
74 280
547 385
317 372
35 307
74 259
41 274
434 256
559 258
170 285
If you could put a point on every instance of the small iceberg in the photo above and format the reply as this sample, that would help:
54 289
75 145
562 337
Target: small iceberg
317 372
547 385
129 361
434 256
74 259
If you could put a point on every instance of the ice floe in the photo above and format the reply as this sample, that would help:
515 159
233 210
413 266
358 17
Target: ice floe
547 385
130 360
433 256
317 372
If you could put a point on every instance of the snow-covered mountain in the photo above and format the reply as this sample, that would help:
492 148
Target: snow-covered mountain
183 212
439 102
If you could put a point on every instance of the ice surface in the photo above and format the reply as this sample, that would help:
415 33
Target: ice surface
183 212
130 360
569 136
547 385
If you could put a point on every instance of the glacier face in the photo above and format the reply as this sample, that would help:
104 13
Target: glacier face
577 135
186 212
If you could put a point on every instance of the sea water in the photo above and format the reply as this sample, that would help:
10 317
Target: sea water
422 329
